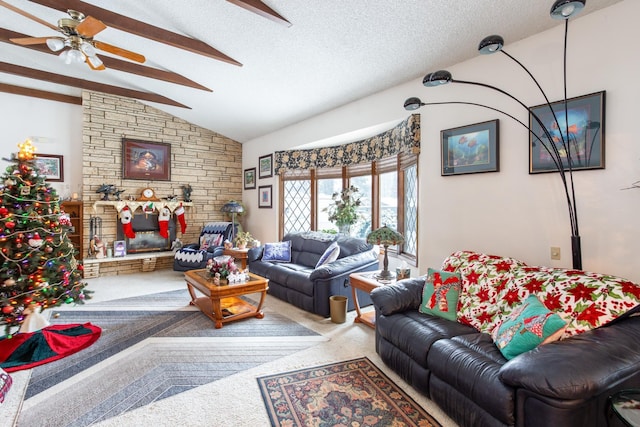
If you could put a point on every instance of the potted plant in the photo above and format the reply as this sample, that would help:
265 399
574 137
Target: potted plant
344 210
243 238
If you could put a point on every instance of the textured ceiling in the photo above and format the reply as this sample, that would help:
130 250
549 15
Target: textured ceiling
334 52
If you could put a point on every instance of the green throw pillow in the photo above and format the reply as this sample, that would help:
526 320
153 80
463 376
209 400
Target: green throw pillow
526 327
440 294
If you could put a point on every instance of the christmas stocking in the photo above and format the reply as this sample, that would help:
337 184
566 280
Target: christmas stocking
180 216
125 218
163 222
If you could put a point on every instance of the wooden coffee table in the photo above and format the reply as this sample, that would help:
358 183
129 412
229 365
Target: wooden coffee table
221 303
365 282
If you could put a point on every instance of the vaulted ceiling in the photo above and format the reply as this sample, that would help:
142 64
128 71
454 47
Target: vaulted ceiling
245 68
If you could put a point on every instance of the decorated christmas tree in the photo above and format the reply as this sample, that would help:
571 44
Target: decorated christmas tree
38 268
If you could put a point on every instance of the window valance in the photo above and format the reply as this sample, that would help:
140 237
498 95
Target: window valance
403 138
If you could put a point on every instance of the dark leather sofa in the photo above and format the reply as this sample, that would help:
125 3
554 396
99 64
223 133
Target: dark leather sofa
299 283
565 383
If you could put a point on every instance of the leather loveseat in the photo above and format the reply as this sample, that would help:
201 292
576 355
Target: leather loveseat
304 284
562 383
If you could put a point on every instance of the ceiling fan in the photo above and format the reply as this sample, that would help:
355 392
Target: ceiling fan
78 31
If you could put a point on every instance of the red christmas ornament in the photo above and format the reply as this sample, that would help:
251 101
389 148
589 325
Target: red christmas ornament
10 224
7 309
4 211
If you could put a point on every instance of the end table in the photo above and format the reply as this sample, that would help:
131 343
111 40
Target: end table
240 254
626 406
365 282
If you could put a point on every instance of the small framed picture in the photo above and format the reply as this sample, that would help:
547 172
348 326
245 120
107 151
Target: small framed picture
470 149
264 196
51 166
119 248
250 179
266 166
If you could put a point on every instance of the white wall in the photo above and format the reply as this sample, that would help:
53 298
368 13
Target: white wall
510 212
57 128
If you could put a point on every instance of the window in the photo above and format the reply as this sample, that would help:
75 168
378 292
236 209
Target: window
388 192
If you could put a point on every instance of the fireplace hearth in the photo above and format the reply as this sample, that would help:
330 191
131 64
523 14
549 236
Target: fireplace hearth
148 238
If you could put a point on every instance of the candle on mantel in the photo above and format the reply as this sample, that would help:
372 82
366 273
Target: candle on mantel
74 196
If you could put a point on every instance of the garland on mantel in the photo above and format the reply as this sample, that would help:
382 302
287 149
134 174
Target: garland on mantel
147 206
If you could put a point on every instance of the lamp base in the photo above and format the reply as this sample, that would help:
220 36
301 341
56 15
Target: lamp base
385 275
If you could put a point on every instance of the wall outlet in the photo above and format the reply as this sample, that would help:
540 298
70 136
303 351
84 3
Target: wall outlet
555 253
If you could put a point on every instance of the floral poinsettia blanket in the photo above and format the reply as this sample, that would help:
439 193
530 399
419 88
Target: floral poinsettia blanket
493 286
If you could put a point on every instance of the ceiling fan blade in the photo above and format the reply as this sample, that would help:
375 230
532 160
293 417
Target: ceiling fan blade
90 27
119 51
25 41
28 15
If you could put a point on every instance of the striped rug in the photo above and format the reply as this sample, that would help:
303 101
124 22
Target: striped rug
147 353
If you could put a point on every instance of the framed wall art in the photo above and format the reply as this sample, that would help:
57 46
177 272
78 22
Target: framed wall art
266 166
264 196
470 149
150 161
585 135
250 179
51 166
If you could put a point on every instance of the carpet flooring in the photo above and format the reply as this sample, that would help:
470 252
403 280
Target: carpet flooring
349 393
146 354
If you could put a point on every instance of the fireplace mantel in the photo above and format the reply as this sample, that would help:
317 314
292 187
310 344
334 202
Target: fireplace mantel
118 205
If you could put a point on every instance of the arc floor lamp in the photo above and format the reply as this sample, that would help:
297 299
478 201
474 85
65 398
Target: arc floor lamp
561 9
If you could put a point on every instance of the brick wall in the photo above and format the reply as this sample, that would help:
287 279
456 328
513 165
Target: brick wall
210 162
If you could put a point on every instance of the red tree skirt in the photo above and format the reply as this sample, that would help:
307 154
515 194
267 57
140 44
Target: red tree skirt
27 350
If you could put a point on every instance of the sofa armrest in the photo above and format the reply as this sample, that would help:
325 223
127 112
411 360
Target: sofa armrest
581 366
402 296
342 266
254 254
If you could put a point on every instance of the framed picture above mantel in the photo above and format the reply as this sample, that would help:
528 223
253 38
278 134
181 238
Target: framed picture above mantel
145 160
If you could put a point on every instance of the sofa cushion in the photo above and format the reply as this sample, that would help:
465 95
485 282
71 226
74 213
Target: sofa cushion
277 252
210 240
330 254
440 294
529 325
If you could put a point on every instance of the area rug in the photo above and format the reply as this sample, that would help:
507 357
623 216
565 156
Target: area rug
350 393
145 355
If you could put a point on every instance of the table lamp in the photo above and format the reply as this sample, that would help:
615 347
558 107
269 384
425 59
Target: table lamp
233 208
385 237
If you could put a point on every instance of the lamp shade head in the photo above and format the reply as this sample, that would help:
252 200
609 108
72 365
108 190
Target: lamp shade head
565 9
385 236
491 44
232 207
412 103
437 78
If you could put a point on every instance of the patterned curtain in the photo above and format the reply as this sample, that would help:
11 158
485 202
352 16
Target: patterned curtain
405 137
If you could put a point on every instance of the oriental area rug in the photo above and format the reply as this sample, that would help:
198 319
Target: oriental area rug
152 347
350 393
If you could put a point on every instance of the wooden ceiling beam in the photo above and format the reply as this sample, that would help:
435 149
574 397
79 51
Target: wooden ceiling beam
87 85
258 7
130 25
115 64
36 93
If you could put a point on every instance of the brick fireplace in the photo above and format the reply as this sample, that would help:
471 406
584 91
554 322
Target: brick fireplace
148 238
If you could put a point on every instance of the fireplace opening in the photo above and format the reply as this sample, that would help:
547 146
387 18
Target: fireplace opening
148 238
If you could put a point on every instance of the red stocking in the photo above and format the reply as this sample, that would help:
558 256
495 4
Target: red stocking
163 222
180 215
125 218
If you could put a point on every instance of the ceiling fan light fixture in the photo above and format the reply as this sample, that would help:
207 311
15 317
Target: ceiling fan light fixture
88 49
55 44
72 55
